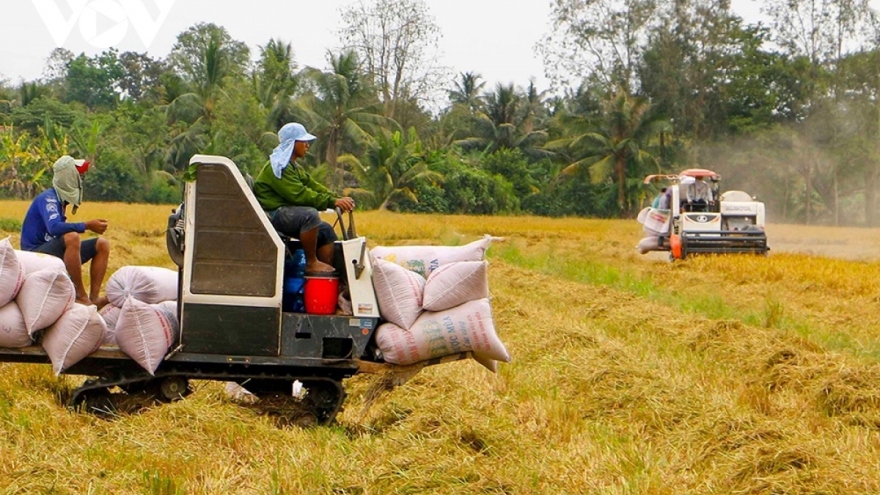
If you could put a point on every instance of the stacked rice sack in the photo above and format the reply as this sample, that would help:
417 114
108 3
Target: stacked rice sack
13 333
37 303
435 300
655 223
141 317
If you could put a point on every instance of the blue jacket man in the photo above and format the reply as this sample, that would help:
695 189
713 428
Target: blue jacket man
46 230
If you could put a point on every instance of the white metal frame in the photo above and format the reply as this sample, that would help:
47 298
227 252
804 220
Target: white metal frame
190 214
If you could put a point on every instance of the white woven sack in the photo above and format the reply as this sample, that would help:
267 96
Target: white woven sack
656 222
149 284
464 328
425 259
489 364
78 333
11 273
110 314
171 306
145 332
32 262
13 333
456 283
44 296
651 243
399 293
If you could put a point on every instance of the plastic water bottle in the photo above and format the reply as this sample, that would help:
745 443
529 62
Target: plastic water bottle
292 300
294 270
299 263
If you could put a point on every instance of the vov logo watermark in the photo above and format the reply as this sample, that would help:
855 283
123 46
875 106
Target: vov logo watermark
103 23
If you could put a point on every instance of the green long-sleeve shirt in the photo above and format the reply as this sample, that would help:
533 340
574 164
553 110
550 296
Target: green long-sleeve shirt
295 188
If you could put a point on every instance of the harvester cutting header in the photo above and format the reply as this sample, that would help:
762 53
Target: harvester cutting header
692 216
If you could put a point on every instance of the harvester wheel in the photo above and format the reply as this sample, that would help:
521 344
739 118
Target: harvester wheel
98 402
174 388
319 405
287 410
99 398
324 398
305 420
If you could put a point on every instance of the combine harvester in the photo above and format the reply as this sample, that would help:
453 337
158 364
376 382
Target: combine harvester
700 220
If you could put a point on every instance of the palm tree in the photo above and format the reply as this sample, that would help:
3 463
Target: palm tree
275 82
615 147
505 122
185 141
390 169
205 55
467 90
28 92
343 110
534 112
7 99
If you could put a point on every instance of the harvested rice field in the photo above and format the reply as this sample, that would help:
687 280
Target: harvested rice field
629 375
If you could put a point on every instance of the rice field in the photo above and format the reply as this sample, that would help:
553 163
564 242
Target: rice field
630 375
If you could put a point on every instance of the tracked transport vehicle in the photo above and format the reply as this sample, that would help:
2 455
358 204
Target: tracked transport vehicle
232 324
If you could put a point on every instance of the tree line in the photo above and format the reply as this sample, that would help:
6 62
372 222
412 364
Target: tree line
786 110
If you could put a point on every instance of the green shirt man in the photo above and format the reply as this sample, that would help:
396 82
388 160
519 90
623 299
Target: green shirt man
295 187
293 198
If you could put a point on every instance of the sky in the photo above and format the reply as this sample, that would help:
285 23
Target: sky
495 38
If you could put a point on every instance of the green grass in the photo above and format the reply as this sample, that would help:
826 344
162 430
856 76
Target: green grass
713 306
10 225
578 270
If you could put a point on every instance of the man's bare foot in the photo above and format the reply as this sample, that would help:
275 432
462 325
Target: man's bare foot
85 301
319 267
100 302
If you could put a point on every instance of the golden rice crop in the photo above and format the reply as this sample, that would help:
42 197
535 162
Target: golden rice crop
630 374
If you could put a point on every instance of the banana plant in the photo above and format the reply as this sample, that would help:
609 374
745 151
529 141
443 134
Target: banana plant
86 140
25 163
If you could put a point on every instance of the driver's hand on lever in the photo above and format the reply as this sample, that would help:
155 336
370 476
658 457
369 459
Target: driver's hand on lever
345 204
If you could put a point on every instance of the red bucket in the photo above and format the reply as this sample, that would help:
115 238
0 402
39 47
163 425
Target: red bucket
321 294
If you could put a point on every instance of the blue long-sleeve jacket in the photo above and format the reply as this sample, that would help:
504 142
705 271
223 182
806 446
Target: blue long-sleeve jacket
45 220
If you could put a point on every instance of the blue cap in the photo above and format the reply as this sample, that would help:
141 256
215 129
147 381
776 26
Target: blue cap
287 137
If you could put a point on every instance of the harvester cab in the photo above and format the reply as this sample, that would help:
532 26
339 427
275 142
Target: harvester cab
700 219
